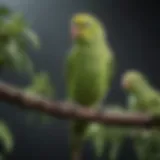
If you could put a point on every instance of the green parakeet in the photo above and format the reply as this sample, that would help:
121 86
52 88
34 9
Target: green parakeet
89 70
141 95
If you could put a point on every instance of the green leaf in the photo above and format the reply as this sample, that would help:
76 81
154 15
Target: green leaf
42 86
4 11
100 134
147 147
99 145
7 137
14 25
17 59
32 37
14 33
113 152
96 133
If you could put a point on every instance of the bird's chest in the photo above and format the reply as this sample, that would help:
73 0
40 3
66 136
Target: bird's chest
87 62
86 71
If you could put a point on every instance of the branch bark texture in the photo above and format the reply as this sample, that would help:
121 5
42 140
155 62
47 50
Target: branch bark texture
65 110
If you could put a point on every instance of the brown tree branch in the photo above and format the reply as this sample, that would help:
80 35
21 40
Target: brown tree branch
64 110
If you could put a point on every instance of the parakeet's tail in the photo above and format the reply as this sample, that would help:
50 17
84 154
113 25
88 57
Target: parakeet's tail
78 129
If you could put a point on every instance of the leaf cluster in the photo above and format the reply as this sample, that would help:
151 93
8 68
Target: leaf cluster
16 35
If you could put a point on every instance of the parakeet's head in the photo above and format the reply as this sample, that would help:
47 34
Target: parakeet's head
133 80
85 27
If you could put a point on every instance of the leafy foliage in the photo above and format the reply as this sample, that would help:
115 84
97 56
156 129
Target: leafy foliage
41 85
146 142
6 138
15 34
4 11
101 134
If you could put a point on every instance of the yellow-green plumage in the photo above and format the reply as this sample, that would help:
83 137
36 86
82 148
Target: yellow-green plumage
89 69
141 95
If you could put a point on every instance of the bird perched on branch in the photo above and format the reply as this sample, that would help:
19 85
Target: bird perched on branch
141 95
89 70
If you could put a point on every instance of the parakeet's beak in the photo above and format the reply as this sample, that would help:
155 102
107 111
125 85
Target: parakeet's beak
74 32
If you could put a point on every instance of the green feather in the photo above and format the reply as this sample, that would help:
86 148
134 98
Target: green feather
4 11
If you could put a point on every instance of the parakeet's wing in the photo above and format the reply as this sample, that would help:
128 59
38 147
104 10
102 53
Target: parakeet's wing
69 70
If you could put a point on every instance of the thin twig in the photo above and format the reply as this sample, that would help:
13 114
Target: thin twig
65 110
